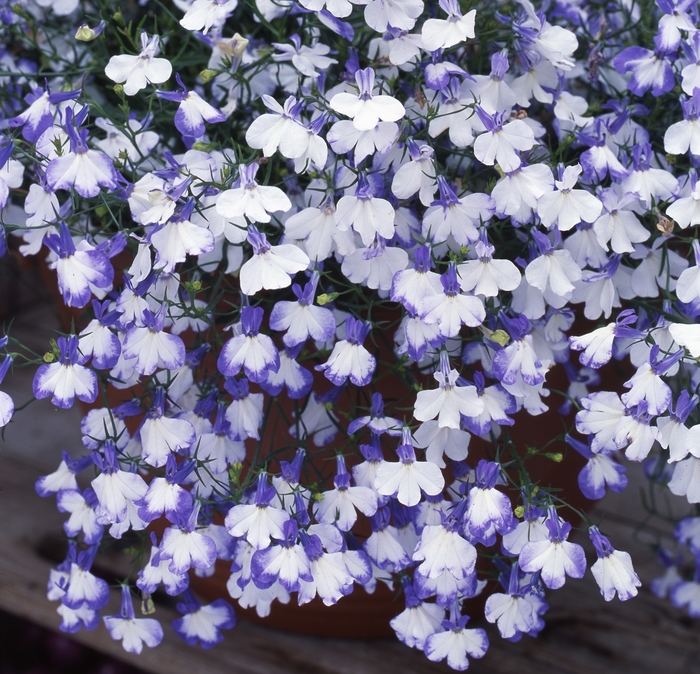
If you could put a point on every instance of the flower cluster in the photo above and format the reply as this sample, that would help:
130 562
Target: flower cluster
323 260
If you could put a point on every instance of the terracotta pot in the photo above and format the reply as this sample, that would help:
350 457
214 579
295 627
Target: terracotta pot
366 616
361 615
358 616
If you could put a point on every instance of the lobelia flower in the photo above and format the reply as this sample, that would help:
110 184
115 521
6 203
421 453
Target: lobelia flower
452 309
635 432
80 168
649 183
72 620
597 346
407 478
367 215
271 267
686 209
418 621
484 275
185 547
646 384
174 240
512 612
286 563
331 579
519 358
365 109
279 130
456 217
661 586
456 642
7 405
150 348
305 59
445 33
293 497
554 558
137 72
81 270
674 435
687 593
302 319
600 472
11 173
39 116
449 401
376 422
375 266
131 631
258 522
63 477
683 136
383 546
516 194
254 353
412 287
115 489
136 147
83 517
202 625
554 272
502 141
684 481
85 590
613 571
364 473
338 505
165 496
618 224
318 235
498 403
67 379
441 548
567 206
446 589
416 175
486 506
349 359
532 528
97 340
192 112
161 435
157 572
650 69
244 414
296 378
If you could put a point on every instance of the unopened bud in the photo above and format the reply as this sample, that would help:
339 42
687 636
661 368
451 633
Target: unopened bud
147 605
234 472
204 147
500 337
207 75
238 44
325 298
87 34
